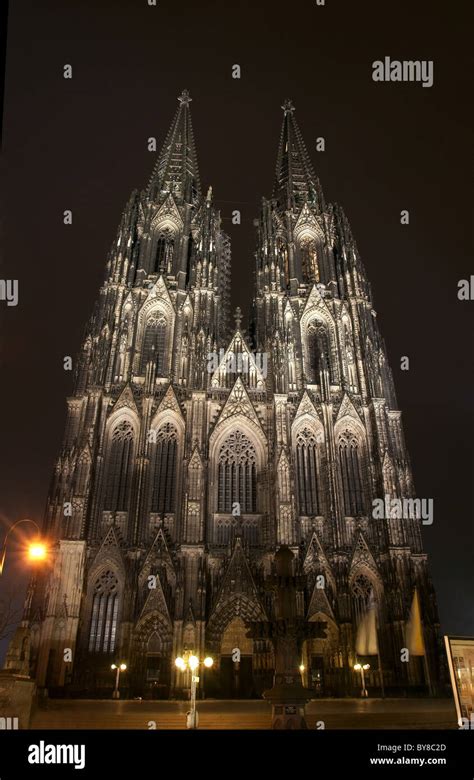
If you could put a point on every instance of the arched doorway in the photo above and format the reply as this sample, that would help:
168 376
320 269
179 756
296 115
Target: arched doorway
150 670
236 662
321 660
154 658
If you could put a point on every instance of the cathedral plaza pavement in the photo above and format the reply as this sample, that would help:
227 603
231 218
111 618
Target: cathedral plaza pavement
240 714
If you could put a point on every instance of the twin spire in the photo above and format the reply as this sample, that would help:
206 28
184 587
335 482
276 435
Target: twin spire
295 180
177 171
177 168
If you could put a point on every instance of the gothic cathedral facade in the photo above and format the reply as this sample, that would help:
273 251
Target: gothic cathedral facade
193 451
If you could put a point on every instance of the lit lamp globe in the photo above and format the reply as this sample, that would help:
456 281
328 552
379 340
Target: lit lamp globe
37 551
193 662
179 663
208 662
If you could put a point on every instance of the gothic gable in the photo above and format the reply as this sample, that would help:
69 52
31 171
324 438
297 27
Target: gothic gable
347 409
236 358
167 216
362 557
155 600
238 403
169 402
305 407
109 552
126 399
237 595
315 560
315 304
158 556
307 224
319 603
158 298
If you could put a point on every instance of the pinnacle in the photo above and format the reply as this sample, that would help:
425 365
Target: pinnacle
288 107
185 98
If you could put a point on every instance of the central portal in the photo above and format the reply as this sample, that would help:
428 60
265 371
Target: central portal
236 662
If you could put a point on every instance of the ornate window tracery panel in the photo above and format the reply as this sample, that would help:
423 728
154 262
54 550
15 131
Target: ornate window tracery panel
105 605
363 592
82 475
154 343
318 351
123 344
194 486
351 474
309 259
284 480
237 474
119 470
164 253
165 470
307 473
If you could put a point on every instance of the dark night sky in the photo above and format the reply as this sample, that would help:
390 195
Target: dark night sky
81 144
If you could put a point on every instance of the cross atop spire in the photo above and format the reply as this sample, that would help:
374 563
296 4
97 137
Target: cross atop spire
176 170
288 107
185 98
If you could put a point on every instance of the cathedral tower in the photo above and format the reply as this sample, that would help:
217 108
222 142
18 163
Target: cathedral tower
190 455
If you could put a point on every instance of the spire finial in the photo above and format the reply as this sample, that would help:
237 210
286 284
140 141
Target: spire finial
238 317
185 98
288 107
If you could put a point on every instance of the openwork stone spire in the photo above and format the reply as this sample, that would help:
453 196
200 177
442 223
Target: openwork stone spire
176 170
295 182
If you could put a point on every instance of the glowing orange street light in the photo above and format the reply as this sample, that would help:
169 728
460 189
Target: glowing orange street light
36 551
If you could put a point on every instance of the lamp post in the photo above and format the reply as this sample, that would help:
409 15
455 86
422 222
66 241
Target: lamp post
192 662
362 668
119 668
37 550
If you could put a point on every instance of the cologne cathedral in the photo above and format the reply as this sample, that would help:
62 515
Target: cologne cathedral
194 449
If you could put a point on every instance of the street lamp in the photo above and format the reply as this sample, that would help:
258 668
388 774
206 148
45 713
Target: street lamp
119 668
191 661
362 668
36 551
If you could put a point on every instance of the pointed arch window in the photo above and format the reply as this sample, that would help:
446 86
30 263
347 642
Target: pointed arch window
318 351
154 657
105 606
237 474
165 470
363 596
154 344
283 258
307 473
309 259
164 253
119 469
351 474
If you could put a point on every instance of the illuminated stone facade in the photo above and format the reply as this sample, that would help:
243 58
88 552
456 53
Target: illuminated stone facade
181 472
